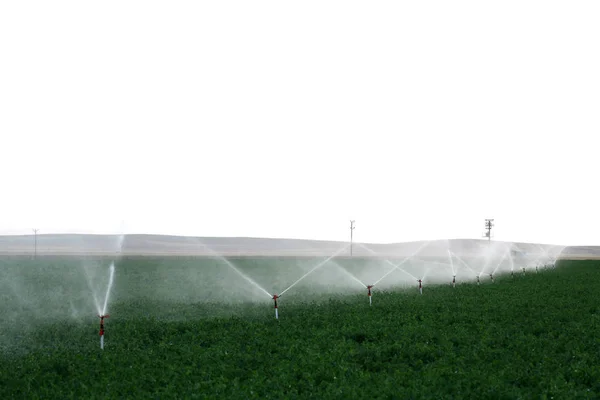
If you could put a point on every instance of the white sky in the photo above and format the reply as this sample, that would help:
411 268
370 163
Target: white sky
418 119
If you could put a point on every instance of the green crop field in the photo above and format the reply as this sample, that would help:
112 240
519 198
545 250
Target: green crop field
180 328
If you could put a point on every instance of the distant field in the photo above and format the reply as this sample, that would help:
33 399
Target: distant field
171 335
157 245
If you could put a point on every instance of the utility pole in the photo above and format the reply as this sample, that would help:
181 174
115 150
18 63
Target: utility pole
35 231
489 224
351 235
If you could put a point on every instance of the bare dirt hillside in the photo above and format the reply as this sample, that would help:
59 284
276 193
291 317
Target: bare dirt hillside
67 244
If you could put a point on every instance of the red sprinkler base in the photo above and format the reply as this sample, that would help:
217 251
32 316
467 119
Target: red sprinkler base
102 330
369 293
102 323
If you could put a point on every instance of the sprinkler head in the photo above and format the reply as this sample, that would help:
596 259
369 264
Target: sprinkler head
369 289
102 323
275 297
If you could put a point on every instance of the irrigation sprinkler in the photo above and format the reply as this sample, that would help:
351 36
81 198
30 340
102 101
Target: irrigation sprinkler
420 285
523 270
536 269
478 280
512 273
453 281
492 277
102 330
275 297
369 292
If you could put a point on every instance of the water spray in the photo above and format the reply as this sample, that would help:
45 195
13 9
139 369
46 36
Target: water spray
102 330
397 266
369 292
275 297
463 263
420 285
313 269
233 267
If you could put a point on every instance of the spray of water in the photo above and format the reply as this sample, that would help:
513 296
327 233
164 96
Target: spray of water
488 258
425 274
92 288
465 264
350 275
395 267
451 262
233 267
109 287
510 259
120 243
500 262
548 258
315 268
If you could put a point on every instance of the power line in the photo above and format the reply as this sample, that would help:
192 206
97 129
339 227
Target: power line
489 224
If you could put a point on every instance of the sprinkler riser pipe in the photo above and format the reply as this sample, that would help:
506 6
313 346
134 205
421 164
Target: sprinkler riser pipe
369 287
102 330
275 297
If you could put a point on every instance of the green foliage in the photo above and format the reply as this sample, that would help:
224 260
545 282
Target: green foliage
531 336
